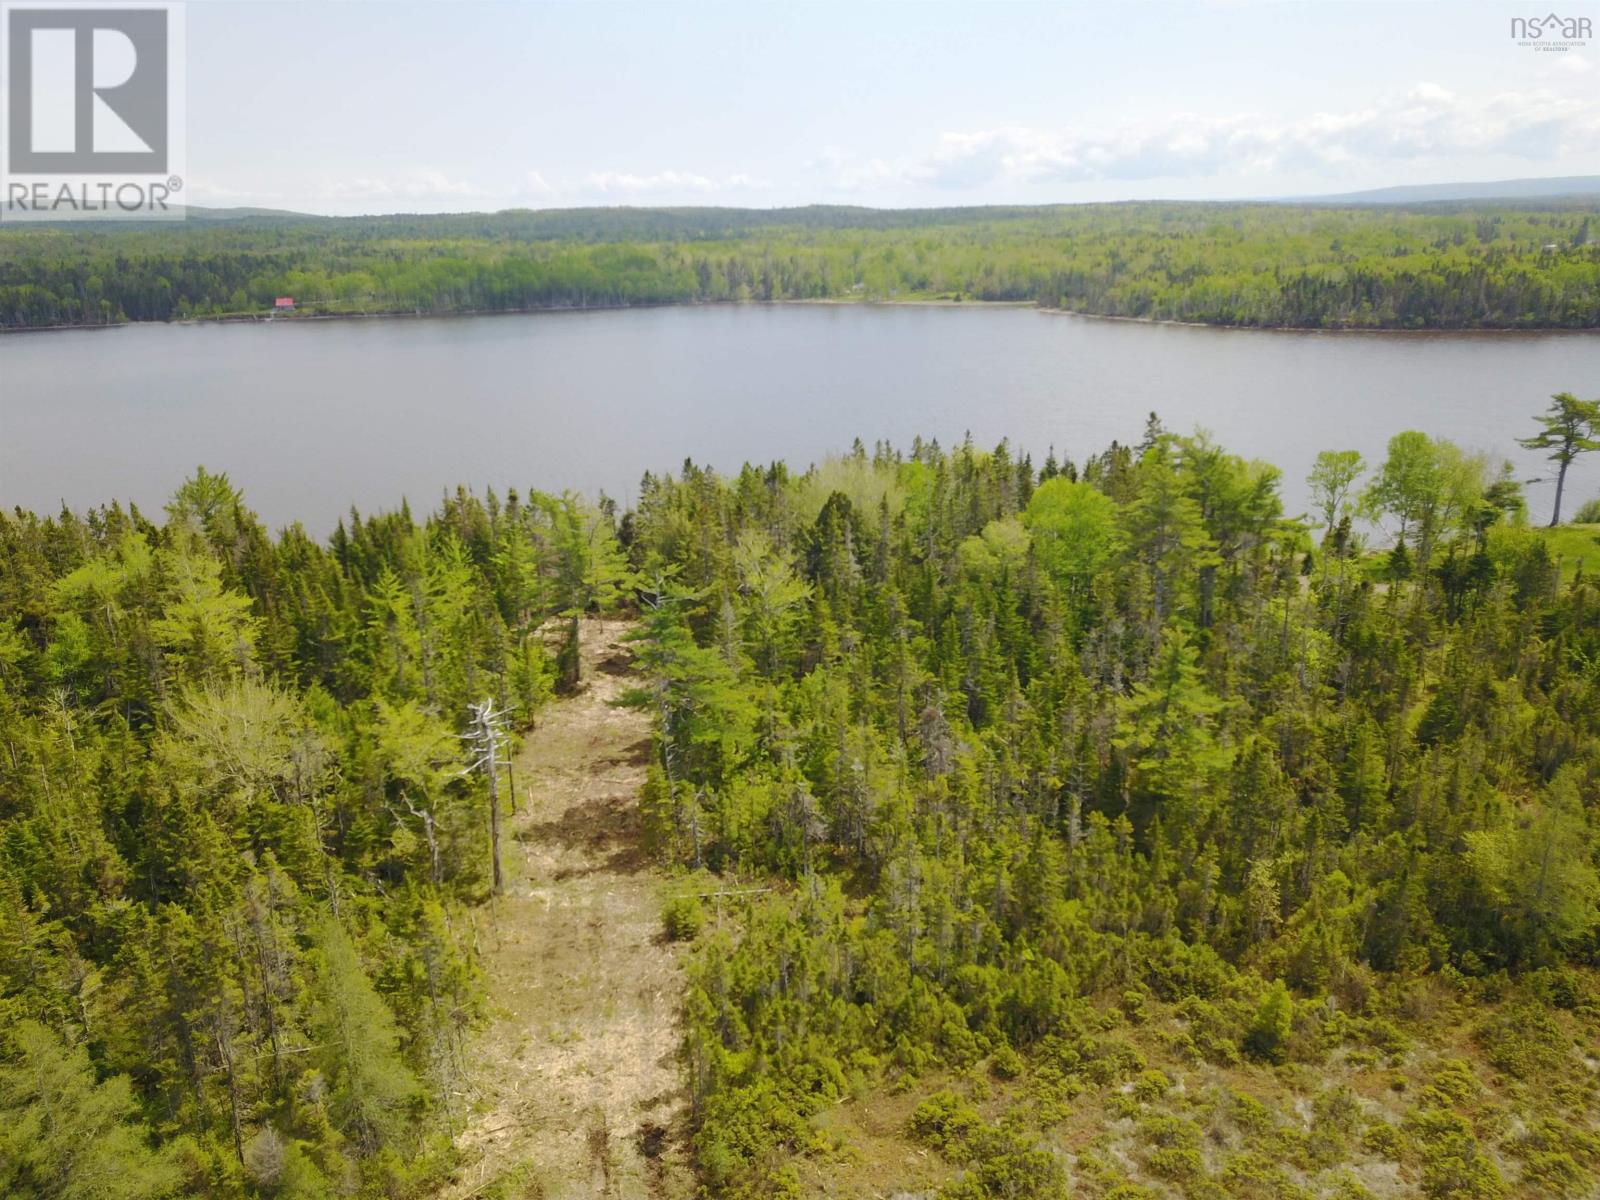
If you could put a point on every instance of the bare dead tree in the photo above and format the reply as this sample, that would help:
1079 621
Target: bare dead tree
425 817
489 739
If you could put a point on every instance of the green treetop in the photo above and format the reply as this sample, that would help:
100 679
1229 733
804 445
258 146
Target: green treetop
1569 427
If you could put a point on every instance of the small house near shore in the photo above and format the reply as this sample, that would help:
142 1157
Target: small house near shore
283 304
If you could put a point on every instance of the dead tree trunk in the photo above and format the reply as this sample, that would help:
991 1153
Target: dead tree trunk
489 738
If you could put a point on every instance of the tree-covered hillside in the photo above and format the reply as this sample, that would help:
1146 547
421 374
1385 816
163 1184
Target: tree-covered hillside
1430 267
240 847
1136 842
1087 828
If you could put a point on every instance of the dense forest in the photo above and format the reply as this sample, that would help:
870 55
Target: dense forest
1117 835
1149 848
239 845
1442 266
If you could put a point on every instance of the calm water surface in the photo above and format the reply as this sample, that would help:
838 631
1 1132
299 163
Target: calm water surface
313 417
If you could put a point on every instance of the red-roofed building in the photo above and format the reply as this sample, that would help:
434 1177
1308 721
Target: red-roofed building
283 304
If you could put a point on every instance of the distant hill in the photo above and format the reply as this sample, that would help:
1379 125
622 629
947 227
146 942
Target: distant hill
1501 189
194 213
699 220
197 213
691 222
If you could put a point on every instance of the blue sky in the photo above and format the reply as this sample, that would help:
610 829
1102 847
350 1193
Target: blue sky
381 106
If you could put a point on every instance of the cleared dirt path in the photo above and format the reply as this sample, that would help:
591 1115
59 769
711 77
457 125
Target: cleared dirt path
577 1076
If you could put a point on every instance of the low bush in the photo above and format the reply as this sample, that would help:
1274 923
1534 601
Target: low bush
946 1123
683 918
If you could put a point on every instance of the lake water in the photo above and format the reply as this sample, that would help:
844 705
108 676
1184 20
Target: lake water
312 417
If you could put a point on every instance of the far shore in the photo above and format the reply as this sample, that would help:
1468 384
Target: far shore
827 301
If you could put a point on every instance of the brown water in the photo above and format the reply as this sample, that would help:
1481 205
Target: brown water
311 417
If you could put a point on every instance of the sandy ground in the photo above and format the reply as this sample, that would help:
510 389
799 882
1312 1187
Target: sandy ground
576 1077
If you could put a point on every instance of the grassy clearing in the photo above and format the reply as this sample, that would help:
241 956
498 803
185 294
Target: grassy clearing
576 1077
1572 546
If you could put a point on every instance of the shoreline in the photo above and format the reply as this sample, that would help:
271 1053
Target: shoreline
1387 330
828 301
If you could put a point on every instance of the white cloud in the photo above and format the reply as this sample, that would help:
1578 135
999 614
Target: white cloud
665 181
1428 122
541 187
414 185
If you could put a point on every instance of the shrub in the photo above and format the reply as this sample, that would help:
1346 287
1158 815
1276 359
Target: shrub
1458 1177
1250 1115
1560 1136
1006 1165
1165 1131
1210 1031
1133 1007
1453 1082
1175 1162
1555 1175
743 1129
1005 1063
1335 1117
1111 1060
683 918
1558 1158
946 1123
1268 1034
1384 1036
1588 513
1560 987
1383 1140
1453 1166
1349 1188
1526 1043
1253 1177
1151 1086
1127 1190
1121 1107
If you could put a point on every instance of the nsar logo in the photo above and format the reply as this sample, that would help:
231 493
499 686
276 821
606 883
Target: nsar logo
1552 31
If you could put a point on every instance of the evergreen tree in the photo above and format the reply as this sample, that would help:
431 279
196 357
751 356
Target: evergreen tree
66 1136
373 1094
1569 427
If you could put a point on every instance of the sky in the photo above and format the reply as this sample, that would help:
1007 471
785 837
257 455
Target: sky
383 106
